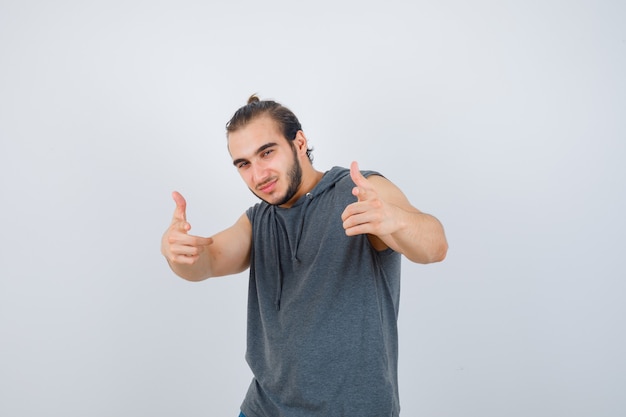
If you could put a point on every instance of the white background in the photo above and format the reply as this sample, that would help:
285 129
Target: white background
504 119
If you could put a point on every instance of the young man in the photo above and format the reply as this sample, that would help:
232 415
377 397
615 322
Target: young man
323 251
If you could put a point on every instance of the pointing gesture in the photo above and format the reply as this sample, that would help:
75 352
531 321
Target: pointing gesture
177 245
369 214
383 212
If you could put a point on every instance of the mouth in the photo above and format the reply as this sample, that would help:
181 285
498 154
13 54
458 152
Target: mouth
268 186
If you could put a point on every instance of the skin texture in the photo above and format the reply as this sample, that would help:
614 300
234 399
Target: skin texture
279 172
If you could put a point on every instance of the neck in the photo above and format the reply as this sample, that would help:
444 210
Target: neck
310 178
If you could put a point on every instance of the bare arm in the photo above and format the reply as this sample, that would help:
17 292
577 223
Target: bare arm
196 258
385 214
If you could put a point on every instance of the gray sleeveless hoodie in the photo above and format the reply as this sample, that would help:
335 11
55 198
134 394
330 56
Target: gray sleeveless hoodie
322 311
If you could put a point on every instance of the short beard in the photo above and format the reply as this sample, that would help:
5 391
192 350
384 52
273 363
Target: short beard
295 180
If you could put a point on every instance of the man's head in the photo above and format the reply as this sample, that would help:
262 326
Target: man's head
269 149
285 119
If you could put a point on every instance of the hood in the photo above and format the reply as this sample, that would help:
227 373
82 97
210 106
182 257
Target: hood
299 211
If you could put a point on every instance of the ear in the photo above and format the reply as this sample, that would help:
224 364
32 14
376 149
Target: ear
301 143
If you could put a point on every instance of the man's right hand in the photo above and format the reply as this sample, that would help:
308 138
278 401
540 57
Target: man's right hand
177 245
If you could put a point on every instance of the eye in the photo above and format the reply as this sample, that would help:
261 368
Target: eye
267 152
242 165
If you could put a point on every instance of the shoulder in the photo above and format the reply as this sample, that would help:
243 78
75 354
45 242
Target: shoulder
257 210
342 175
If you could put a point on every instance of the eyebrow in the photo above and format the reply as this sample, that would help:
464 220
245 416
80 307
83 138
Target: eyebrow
258 151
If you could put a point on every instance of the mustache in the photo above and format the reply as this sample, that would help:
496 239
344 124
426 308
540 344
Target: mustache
264 183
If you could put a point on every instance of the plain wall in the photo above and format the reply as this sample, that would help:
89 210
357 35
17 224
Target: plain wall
504 119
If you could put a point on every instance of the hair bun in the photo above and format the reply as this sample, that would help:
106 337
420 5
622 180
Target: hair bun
253 99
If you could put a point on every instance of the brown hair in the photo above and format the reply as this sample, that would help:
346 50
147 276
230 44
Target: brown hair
287 121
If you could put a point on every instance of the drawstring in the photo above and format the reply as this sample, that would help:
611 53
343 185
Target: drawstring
279 286
293 246
294 251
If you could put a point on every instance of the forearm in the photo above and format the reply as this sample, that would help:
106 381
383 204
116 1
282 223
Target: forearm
199 270
418 236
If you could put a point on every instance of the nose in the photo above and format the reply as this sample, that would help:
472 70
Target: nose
259 173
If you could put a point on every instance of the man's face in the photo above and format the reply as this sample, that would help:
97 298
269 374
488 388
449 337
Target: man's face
266 161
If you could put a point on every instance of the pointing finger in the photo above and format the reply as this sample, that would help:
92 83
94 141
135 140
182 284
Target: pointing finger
204 241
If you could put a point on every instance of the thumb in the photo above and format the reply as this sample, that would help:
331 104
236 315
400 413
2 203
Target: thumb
356 175
359 180
180 213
